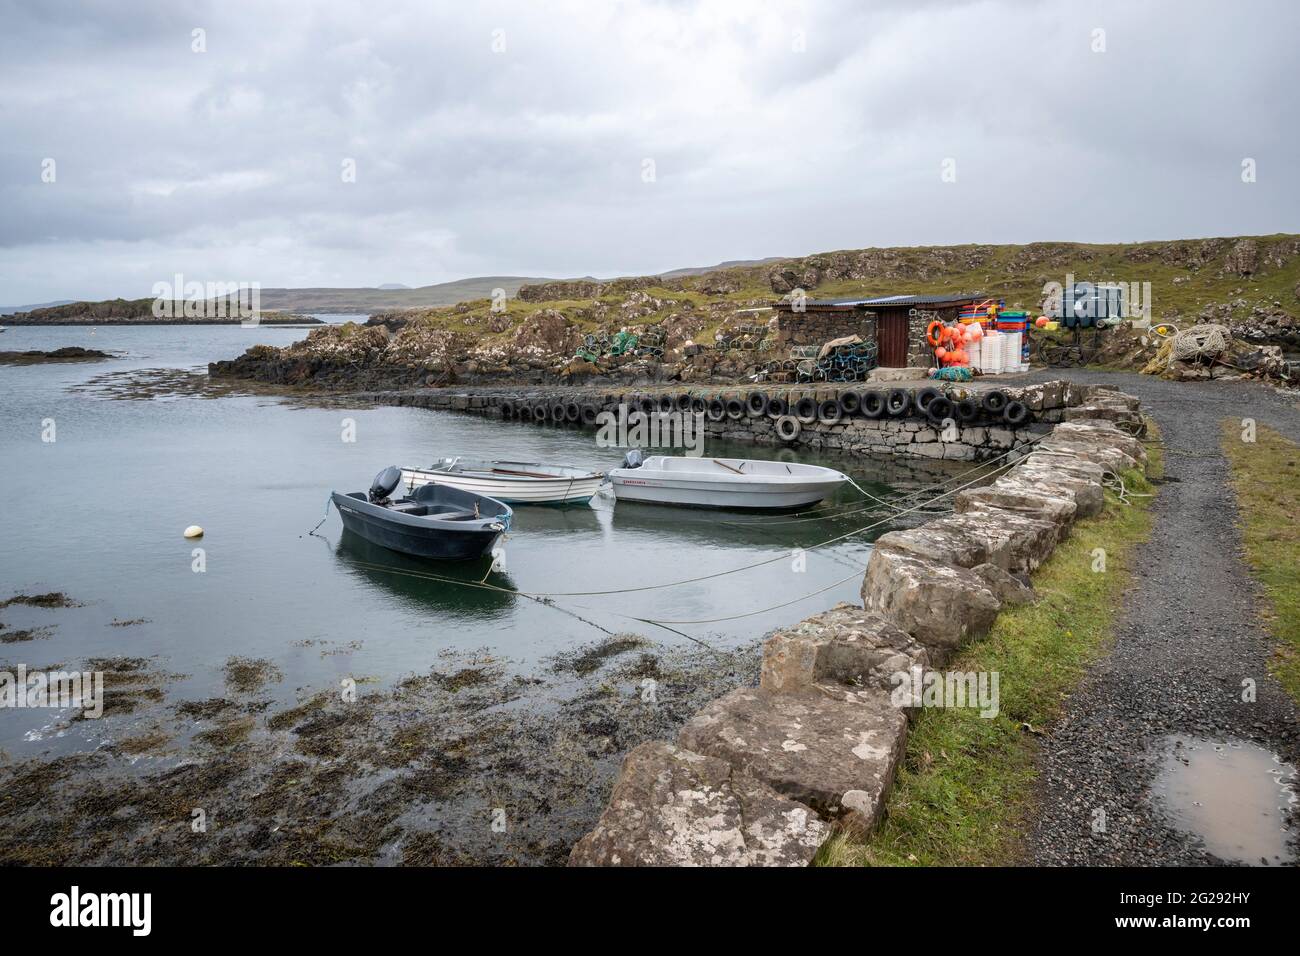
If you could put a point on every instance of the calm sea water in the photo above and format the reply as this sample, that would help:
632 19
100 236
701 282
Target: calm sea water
99 512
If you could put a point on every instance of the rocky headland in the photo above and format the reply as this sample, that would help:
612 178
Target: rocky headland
720 327
140 312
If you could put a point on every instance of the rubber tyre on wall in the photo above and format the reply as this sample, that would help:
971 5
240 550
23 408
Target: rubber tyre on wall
968 411
873 405
850 403
646 404
899 402
805 410
666 403
829 412
788 428
756 403
938 410
698 406
572 412
507 410
1015 414
716 410
994 402
925 396
589 414
557 413
777 407
735 408
541 412
683 402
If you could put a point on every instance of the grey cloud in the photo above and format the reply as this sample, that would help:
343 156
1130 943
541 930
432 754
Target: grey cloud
529 161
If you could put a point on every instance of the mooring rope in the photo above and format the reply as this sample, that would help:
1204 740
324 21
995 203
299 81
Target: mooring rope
844 510
312 533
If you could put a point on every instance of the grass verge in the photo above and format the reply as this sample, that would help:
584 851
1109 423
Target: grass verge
1265 476
967 783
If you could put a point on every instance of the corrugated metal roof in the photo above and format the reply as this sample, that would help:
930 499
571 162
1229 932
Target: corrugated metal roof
917 299
888 300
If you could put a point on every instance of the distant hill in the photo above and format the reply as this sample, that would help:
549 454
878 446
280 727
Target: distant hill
386 298
11 309
729 264
390 286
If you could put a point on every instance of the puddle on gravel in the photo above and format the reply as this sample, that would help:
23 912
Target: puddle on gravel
1236 796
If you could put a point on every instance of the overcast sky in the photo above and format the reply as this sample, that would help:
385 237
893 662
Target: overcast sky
572 138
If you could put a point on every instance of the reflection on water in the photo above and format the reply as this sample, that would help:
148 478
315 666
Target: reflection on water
1235 796
449 589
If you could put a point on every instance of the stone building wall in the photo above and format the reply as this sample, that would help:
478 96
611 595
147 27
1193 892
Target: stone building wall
818 326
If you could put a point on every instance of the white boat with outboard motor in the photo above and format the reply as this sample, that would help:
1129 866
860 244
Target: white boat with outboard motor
742 483
514 482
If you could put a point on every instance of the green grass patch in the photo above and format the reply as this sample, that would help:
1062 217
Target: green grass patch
1266 477
966 785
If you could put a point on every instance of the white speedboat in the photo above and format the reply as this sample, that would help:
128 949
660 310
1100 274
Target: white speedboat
723 482
514 482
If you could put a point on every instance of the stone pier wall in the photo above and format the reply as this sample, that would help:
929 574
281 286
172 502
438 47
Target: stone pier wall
760 775
823 418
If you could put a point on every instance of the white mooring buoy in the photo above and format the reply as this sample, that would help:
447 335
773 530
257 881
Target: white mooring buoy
193 531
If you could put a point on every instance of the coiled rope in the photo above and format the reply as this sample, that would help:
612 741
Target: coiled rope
1207 341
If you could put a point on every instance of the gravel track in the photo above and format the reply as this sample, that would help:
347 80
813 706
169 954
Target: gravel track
1187 636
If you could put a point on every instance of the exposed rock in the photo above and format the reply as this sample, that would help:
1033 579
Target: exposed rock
719 283
1102 433
877 265
1065 465
1008 588
942 544
1243 260
837 754
548 332
672 807
69 353
1085 492
555 291
940 605
1110 458
1010 494
845 645
1017 542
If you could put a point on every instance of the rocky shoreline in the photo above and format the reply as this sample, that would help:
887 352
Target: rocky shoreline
70 353
468 763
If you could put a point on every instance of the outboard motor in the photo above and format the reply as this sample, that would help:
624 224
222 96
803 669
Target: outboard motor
632 459
385 483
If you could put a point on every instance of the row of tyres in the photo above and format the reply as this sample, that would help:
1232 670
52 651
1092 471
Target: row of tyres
993 407
986 408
